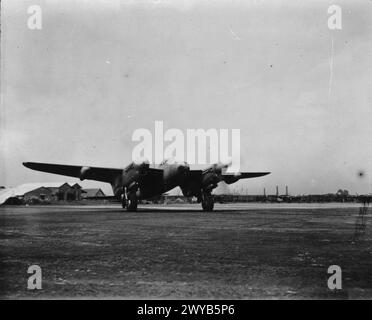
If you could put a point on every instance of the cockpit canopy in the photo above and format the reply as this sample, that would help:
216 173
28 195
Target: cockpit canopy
170 161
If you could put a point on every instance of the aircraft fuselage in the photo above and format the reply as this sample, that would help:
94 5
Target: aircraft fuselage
134 177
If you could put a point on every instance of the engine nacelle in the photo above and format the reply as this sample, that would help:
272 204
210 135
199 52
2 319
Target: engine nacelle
210 187
212 175
134 172
210 178
140 166
83 173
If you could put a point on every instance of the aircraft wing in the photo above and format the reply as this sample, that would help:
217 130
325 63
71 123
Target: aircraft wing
91 173
196 176
233 177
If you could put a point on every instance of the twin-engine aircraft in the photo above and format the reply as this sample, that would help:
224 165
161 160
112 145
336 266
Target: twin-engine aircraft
140 181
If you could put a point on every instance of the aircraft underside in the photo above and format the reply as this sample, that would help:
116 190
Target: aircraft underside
129 199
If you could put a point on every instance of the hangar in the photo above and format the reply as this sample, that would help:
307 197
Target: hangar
41 191
92 193
66 191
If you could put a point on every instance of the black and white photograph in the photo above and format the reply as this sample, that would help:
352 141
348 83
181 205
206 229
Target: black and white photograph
210 150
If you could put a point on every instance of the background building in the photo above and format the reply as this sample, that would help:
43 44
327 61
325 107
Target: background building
41 192
92 193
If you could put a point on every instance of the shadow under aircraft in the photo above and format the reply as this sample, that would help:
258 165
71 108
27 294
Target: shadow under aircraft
139 181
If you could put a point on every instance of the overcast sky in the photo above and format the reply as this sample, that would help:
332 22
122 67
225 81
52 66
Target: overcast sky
301 94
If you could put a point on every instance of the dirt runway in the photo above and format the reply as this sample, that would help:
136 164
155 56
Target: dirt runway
237 252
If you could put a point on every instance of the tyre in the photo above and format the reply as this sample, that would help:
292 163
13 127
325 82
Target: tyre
207 202
132 202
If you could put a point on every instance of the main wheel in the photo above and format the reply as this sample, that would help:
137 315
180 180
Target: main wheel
123 201
207 202
132 202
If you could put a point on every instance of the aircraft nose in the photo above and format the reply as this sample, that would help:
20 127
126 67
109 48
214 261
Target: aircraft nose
183 169
143 168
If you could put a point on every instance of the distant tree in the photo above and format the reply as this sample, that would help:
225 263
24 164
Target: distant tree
342 193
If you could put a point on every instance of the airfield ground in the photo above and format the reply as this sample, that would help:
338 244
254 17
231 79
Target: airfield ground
238 251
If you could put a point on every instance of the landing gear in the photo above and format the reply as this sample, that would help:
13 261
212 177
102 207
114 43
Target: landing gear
129 201
207 201
123 201
132 202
